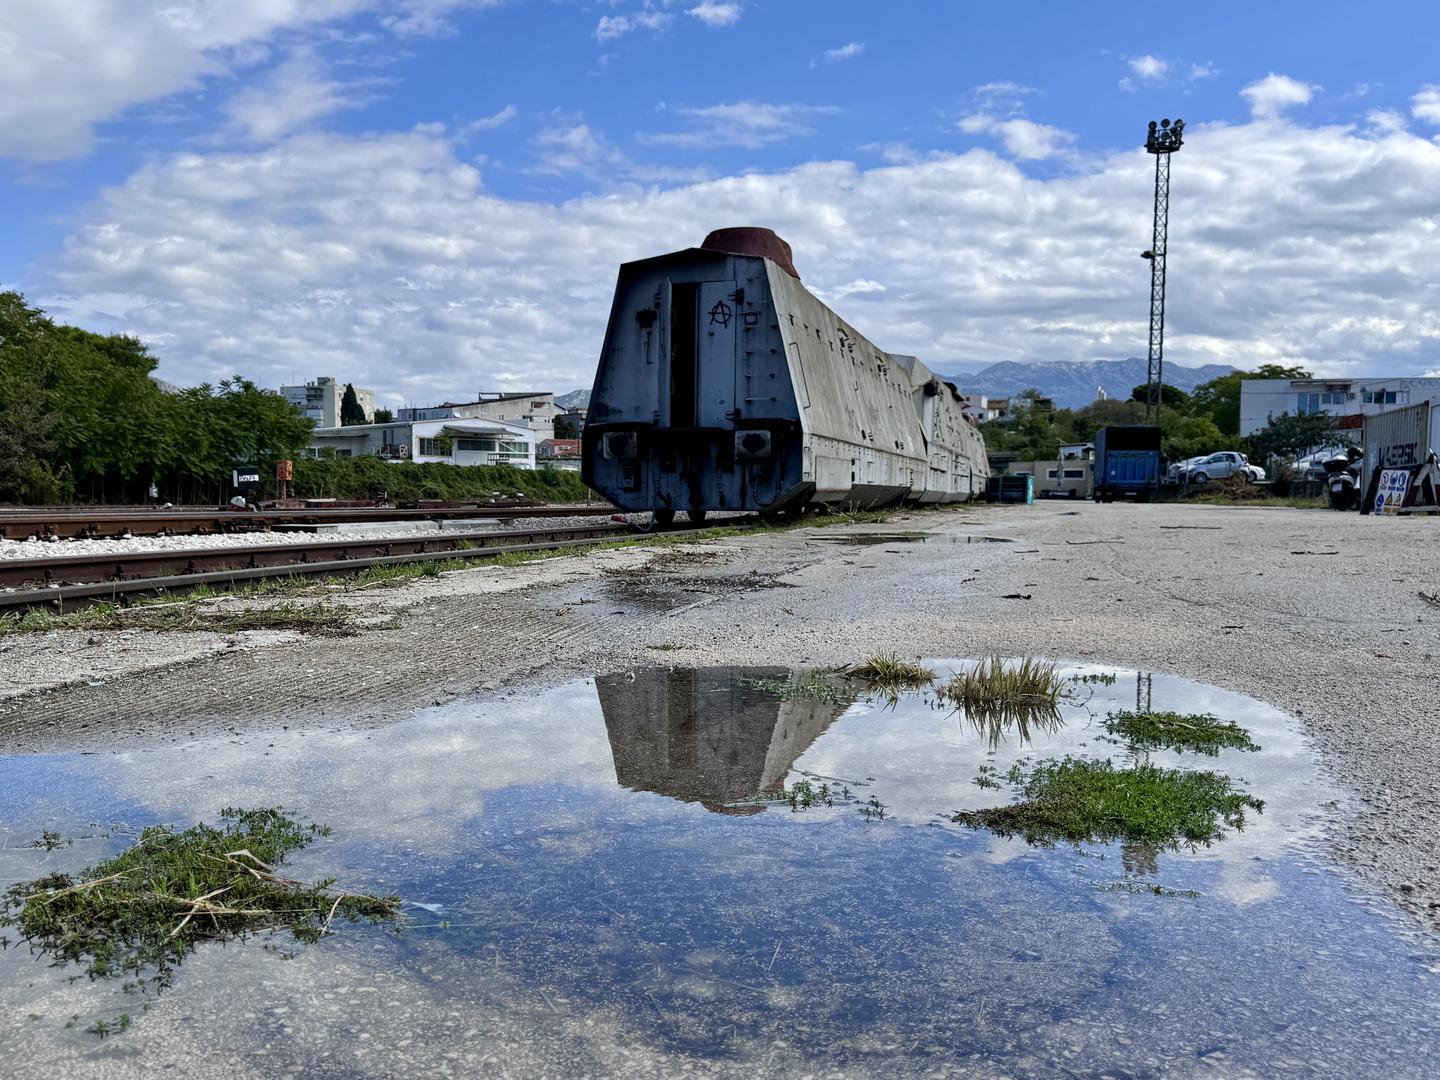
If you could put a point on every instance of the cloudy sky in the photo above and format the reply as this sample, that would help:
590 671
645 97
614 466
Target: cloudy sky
430 197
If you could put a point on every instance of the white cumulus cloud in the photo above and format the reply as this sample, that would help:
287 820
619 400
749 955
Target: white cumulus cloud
848 51
96 59
1272 95
1023 139
1425 105
1148 67
716 12
384 260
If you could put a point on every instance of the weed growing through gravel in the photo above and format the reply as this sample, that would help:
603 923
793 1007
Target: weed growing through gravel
1078 801
1199 732
141 913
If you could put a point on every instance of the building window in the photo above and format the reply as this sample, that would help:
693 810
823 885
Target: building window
1052 474
1074 474
436 447
1306 404
1381 397
1333 397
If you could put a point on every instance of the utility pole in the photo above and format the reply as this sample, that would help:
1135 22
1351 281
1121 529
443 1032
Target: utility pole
1162 140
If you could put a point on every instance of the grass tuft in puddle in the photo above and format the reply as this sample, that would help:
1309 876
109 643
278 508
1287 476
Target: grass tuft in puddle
140 913
887 671
1078 801
1198 732
995 686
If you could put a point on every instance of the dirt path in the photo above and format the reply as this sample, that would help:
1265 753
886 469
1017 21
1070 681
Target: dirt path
1318 613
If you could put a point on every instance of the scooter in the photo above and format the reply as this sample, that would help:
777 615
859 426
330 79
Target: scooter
1342 477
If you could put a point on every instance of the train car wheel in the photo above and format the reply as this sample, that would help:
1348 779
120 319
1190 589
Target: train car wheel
662 519
697 517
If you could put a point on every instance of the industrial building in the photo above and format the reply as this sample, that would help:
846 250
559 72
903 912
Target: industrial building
319 400
449 441
1261 399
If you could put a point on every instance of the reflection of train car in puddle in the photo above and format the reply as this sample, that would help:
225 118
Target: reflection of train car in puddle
708 735
724 384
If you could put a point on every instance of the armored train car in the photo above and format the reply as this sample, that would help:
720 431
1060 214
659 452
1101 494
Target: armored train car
724 384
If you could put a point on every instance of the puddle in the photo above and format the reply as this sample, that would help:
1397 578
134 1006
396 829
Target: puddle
609 877
872 539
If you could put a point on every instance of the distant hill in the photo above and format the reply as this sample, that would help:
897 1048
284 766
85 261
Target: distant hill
1072 383
573 398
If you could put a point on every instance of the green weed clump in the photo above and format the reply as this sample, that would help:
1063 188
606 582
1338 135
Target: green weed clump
887 670
1092 801
141 913
1198 732
812 687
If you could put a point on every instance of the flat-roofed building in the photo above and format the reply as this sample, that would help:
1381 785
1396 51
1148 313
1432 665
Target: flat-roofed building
1261 399
451 441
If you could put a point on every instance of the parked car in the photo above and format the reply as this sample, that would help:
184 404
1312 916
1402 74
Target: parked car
1218 466
1179 469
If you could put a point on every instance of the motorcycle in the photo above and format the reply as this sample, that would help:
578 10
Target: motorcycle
1342 478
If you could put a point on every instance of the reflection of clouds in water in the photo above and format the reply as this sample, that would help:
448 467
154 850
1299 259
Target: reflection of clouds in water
924 762
408 785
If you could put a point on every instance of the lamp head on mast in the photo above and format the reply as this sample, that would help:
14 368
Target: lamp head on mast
1165 137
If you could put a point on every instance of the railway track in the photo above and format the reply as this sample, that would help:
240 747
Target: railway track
71 582
83 523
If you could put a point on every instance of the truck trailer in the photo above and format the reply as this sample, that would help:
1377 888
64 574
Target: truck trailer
1127 462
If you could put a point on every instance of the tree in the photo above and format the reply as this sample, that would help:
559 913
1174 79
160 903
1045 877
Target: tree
1169 395
1292 436
80 415
566 427
383 416
350 410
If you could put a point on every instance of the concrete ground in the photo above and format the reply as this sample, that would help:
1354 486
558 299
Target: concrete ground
1316 612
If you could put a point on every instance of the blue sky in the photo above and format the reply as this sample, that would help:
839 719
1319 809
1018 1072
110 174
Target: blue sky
430 196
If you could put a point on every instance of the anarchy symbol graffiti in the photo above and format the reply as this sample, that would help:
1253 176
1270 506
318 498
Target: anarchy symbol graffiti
720 313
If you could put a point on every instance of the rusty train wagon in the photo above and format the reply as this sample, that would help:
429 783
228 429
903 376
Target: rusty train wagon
724 384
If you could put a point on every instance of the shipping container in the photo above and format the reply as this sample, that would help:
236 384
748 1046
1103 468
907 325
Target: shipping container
1127 462
1396 439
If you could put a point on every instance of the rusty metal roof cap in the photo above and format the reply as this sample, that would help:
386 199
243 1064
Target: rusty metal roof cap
751 240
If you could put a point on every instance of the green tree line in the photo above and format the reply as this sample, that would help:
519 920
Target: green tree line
81 419
1191 424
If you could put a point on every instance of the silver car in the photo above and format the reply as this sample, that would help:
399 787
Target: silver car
1218 466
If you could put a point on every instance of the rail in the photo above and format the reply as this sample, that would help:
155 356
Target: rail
72 523
79 581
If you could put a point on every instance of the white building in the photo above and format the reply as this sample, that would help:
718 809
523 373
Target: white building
536 409
978 408
452 442
1261 399
320 399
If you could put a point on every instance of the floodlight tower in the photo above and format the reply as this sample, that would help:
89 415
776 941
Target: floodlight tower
1162 141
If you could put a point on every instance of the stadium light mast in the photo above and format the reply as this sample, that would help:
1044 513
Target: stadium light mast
1162 140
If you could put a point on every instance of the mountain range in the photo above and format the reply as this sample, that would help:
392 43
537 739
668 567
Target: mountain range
1072 383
